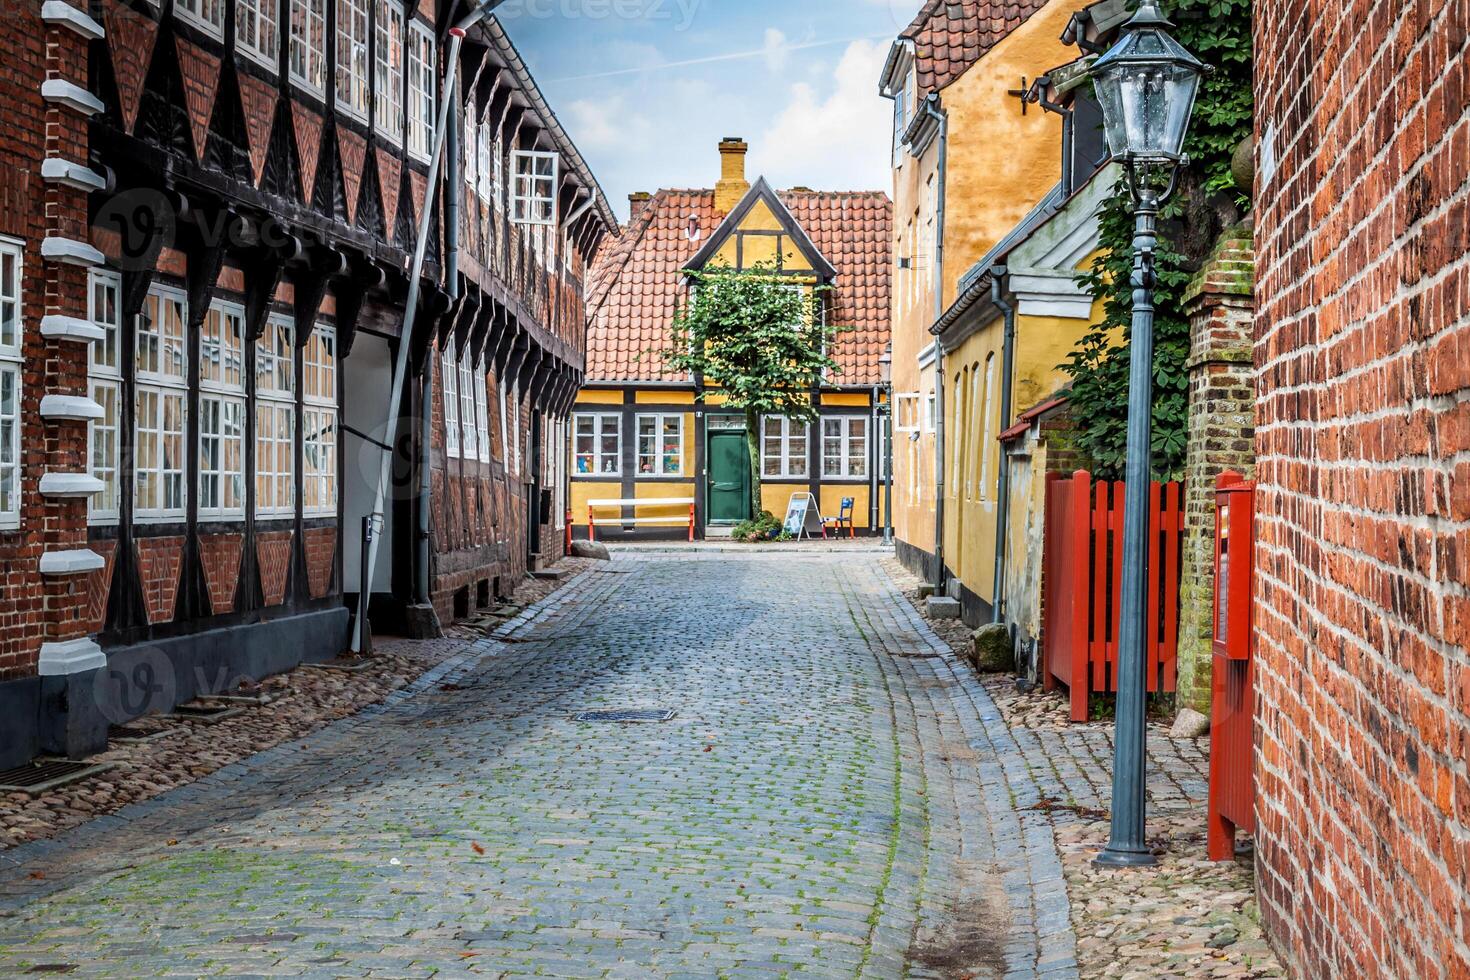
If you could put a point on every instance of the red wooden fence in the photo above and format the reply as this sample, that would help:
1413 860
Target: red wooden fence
1082 569
1232 701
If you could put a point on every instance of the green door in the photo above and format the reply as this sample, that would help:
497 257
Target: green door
728 498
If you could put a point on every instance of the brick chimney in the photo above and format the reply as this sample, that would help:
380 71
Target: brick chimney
732 185
637 201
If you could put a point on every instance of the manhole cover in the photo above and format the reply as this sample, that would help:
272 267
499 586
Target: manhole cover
657 714
44 775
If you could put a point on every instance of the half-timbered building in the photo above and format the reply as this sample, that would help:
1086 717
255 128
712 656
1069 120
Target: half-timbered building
208 210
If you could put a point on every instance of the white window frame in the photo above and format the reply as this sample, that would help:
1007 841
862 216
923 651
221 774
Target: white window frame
559 471
158 385
307 63
659 456
104 377
515 427
319 423
12 319
488 152
222 402
786 433
906 412
261 41
471 147
449 392
469 424
421 65
604 425
989 433
482 416
533 193
931 408
845 438
207 15
275 404
388 69
353 93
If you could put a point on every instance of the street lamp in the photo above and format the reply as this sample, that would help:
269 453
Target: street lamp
1146 85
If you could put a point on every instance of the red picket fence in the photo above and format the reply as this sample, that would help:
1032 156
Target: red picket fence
1082 571
1232 686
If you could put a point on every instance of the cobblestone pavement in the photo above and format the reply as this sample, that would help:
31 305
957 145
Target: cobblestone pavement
834 797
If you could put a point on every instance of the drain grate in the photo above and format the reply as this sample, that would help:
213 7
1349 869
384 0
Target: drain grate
657 714
132 733
53 968
208 714
44 775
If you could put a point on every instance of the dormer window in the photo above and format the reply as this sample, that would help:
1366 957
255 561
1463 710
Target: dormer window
208 15
258 31
352 58
309 45
533 197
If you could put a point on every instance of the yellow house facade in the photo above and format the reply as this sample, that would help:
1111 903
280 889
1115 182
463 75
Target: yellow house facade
979 166
653 448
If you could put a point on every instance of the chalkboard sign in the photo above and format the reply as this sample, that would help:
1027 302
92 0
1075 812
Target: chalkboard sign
803 514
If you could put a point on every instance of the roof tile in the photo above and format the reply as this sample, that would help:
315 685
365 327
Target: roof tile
949 36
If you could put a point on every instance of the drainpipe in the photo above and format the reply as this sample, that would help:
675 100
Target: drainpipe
478 10
940 576
998 276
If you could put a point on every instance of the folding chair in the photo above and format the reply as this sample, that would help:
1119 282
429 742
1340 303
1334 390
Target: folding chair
843 519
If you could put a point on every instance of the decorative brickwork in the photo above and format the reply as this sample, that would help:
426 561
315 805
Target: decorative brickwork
1362 618
273 554
220 555
390 173
321 559
259 102
1221 415
308 126
354 157
201 83
99 587
130 36
159 561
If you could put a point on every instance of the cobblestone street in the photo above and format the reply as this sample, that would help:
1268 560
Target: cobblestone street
826 801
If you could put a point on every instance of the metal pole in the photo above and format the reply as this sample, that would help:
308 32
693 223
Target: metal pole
888 470
1126 845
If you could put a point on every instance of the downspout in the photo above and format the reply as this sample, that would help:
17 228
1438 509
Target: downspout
998 277
940 575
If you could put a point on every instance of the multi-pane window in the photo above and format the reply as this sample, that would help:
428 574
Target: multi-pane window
471 147
160 405
319 423
906 412
257 29
208 14
222 412
470 441
660 445
12 261
482 418
388 70
533 198
352 57
515 428
309 44
488 164
420 90
275 420
783 447
104 374
449 372
845 446
599 447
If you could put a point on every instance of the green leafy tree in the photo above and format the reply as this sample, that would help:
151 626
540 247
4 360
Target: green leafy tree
1207 202
761 340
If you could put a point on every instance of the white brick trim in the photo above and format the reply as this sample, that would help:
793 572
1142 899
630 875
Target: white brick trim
58 327
58 171
70 657
58 13
77 562
62 92
71 252
69 408
69 485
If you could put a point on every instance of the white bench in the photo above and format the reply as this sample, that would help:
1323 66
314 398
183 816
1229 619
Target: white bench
636 502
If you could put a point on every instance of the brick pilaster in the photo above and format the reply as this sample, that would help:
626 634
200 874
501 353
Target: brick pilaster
1221 310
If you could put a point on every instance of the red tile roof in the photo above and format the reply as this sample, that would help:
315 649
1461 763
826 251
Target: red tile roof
637 279
951 35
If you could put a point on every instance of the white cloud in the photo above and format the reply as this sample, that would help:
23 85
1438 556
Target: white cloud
606 123
840 142
775 50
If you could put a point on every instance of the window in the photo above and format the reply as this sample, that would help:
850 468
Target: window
160 406
930 403
783 449
973 432
319 423
845 446
471 147
222 413
660 445
515 428
275 420
388 70
489 164
470 442
12 273
900 120
309 44
906 412
352 58
257 30
104 374
599 445
559 471
482 418
449 378
991 431
533 199
208 14
420 90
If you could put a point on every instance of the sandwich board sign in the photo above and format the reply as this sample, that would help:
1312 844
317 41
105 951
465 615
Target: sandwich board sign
803 516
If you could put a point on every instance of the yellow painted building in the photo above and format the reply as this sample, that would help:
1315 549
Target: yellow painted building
644 432
977 167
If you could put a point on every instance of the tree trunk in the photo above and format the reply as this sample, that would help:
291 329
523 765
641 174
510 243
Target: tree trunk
753 445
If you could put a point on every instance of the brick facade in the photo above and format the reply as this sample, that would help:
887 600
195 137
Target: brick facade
1221 314
1362 345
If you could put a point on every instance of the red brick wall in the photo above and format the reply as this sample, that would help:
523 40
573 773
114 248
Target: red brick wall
220 555
159 561
1363 442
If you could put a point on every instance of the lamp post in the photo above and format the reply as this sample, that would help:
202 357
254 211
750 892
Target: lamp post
1146 85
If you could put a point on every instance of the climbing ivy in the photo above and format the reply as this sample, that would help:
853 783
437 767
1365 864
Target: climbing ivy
1207 202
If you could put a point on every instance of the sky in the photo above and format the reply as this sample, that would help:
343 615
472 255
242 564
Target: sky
647 88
